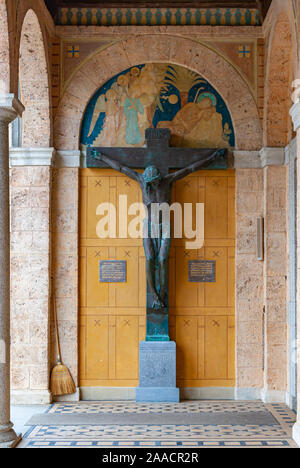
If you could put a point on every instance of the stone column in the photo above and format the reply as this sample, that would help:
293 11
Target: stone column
44 244
261 285
275 275
295 114
65 260
10 108
249 277
31 181
291 163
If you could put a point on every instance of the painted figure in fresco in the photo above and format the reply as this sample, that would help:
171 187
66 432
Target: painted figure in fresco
209 129
122 85
136 96
156 190
110 129
132 108
146 86
198 124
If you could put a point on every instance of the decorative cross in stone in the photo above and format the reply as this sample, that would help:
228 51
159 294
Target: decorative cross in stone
73 52
156 184
244 51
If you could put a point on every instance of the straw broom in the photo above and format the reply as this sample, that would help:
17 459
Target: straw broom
61 382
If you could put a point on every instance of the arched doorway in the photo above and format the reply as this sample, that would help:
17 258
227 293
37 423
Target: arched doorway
277 124
34 85
202 316
278 133
31 157
152 48
106 63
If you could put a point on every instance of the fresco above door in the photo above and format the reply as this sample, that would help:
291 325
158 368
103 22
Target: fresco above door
162 96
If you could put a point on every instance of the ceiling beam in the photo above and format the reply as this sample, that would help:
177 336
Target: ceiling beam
160 4
261 5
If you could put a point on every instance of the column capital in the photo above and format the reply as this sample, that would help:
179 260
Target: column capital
295 114
246 160
259 159
10 108
67 158
31 156
291 151
272 157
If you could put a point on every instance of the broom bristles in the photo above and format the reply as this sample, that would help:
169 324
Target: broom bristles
61 381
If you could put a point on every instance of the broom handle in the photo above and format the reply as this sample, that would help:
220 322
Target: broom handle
56 330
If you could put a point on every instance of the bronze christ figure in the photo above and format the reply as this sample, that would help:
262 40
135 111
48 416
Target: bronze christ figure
156 190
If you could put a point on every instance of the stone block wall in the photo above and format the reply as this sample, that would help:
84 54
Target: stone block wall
261 286
261 290
45 216
249 281
65 264
298 282
30 271
275 278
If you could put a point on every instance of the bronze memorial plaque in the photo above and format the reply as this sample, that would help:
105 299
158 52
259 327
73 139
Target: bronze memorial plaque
202 271
112 271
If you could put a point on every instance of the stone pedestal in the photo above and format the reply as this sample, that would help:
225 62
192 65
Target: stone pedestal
157 372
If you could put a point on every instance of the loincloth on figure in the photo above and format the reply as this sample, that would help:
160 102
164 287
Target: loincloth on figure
156 231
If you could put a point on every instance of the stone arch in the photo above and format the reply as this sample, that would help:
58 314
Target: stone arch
156 48
277 128
34 84
4 50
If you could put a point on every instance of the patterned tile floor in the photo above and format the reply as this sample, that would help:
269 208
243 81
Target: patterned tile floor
167 436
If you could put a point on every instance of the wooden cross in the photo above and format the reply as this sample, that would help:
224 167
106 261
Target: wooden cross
158 153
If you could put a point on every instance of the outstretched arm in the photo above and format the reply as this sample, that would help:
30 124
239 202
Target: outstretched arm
117 166
193 167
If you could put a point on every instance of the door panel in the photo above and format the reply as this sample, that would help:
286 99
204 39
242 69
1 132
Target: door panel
202 315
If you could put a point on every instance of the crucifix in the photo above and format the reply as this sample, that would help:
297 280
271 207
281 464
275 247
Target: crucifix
156 184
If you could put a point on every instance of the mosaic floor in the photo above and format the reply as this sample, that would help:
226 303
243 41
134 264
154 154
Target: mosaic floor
278 434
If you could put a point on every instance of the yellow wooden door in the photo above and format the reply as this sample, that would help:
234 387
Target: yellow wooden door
202 315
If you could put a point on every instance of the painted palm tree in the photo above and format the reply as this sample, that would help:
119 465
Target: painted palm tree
183 79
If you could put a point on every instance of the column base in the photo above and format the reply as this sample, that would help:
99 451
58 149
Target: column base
30 397
273 396
8 437
207 393
157 372
107 393
73 397
266 396
12 444
296 433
